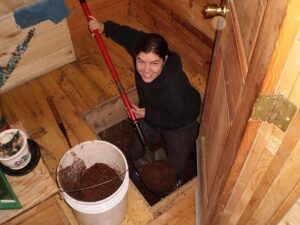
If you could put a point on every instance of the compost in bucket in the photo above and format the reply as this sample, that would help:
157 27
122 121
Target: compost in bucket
94 164
94 184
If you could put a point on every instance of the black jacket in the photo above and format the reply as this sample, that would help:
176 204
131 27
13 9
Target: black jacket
170 100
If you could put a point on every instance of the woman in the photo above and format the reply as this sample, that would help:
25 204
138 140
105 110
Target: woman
168 104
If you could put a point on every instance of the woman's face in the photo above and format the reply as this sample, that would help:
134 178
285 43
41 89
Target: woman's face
149 65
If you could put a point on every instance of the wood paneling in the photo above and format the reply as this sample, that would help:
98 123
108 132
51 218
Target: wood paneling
190 12
102 10
194 46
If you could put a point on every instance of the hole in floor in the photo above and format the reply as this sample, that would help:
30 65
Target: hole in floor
120 135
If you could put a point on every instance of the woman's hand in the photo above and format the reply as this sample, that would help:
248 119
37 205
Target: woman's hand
95 25
139 112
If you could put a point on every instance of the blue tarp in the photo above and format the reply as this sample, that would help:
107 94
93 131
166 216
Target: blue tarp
54 10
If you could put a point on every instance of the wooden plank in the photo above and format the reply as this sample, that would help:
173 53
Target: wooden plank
285 151
251 186
251 169
174 198
138 211
109 113
288 32
189 11
239 162
48 209
77 129
31 189
291 73
39 58
176 215
292 217
284 183
102 10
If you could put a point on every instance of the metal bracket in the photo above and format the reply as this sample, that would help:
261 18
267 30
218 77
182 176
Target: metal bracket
274 109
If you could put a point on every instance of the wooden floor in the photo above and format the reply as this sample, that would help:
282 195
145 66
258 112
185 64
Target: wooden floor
76 88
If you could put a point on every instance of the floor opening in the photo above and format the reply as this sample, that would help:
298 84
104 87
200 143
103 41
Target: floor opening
120 135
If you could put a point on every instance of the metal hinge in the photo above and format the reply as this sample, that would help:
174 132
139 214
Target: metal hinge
274 109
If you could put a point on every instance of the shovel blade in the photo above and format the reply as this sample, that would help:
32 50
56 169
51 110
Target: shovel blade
150 157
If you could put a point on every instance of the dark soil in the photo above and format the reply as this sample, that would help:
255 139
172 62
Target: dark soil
97 174
158 178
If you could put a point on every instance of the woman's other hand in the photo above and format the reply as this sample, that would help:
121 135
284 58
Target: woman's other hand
139 112
95 25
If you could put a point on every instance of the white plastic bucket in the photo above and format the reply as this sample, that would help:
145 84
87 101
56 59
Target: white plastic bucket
111 210
22 157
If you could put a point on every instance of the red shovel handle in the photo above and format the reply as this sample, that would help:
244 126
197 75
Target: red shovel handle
109 63
115 76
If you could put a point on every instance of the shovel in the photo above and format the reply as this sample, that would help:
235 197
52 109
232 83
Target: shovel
148 157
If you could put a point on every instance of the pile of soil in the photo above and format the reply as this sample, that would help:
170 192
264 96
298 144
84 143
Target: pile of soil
159 176
97 174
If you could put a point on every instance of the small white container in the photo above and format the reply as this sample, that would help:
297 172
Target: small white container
22 157
111 210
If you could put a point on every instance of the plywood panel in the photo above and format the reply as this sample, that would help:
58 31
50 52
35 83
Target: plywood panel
7 6
50 48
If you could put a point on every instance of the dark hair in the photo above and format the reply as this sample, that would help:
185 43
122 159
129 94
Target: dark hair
152 42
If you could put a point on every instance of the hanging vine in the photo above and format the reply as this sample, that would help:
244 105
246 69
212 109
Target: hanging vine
6 71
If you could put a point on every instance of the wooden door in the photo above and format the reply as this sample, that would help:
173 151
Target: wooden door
241 57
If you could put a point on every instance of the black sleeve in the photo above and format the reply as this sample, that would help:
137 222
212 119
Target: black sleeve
123 35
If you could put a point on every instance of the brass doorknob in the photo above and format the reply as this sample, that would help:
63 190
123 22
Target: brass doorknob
212 10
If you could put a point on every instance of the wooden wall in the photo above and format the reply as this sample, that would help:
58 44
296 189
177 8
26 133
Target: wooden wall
182 25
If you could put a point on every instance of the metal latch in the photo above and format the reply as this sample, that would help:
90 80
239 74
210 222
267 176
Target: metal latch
274 109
